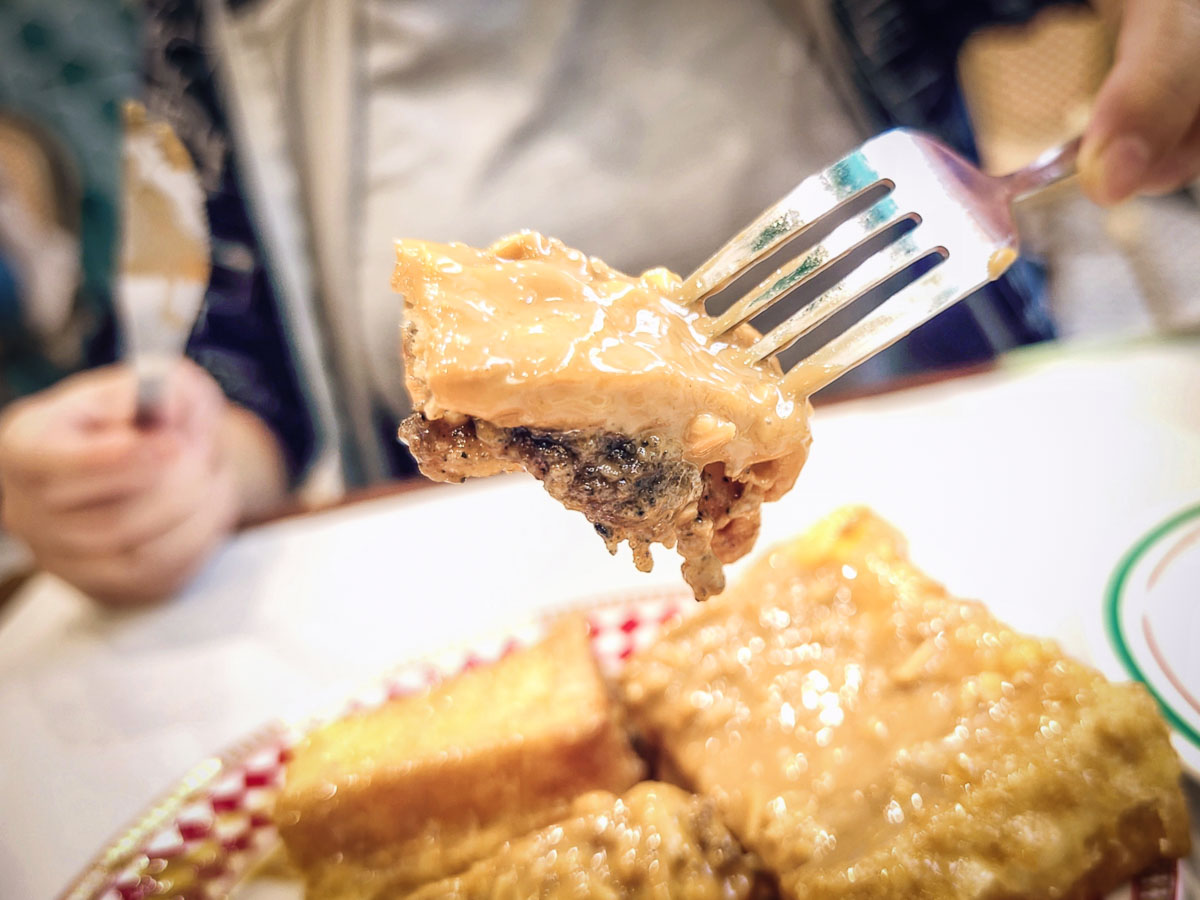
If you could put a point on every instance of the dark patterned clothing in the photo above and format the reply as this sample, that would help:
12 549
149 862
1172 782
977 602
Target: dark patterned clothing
66 67
239 337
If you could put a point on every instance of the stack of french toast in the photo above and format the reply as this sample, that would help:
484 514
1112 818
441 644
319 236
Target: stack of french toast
835 725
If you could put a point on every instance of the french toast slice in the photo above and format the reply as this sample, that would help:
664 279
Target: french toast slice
654 841
529 355
424 785
869 735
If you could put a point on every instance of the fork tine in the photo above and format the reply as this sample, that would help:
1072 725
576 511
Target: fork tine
889 261
812 199
845 239
913 305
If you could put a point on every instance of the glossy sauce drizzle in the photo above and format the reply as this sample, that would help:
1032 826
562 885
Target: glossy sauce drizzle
533 333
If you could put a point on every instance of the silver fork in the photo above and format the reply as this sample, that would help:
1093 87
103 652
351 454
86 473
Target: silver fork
964 221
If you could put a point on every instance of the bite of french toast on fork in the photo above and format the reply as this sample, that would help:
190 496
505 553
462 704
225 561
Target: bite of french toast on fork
531 355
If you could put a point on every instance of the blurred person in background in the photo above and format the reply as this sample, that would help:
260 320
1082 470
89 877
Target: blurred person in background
643 133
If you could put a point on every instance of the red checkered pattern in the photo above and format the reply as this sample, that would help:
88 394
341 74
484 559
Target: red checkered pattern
197 844
216 827
618 630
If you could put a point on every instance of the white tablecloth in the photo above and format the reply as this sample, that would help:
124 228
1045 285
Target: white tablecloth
1022 487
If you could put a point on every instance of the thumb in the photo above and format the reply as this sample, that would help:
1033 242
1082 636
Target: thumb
1149 100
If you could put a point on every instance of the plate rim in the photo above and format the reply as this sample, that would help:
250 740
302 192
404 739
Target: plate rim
1114 594
91 876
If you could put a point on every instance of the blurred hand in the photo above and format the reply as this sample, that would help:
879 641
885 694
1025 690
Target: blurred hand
1144 135
126 514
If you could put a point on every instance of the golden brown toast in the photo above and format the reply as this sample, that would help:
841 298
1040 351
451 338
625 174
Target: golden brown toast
869 735
423 786
654 841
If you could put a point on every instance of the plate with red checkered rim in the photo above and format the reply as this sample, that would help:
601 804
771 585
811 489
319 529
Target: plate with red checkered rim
205 838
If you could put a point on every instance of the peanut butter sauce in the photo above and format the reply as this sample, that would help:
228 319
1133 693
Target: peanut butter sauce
533 333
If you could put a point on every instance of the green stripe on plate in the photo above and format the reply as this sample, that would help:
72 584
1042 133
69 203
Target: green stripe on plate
1112 615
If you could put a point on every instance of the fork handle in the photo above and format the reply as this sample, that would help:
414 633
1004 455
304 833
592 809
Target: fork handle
1053 165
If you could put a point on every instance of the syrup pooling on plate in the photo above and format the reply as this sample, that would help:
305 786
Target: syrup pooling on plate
532 333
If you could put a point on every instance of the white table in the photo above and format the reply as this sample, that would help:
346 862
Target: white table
1021 486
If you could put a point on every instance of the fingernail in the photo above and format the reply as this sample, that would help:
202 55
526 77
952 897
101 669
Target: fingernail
1118 168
